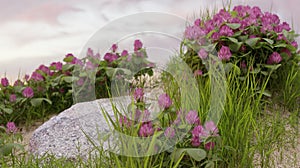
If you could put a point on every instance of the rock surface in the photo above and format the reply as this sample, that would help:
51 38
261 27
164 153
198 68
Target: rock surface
65 134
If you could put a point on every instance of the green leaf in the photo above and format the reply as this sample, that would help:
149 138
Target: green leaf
66 67
183 126
236 69
264 73
37 101
209 48
234 13
265 92
210 164
126 71
237 34
291 48
281 45
83 74
235 47
68 79
229 66
268 46
289 35
272 67
177 153
105 136
245 55
210 33
68 59
7 148
2 128
196 154
6 110
53 84
255 71
137 60
268 40
243 38
110 72
285 33
234 40
252 41
19 89
234 25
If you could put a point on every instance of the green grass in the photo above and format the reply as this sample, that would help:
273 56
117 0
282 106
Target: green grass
252 127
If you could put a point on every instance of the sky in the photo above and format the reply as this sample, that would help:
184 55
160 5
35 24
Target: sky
34 32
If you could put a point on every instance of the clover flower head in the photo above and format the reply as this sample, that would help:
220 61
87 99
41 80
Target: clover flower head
36 76
124 53
146 129
294 44
192 117
209 145
194 32
90 52
110 57
12 98
226 31
28 92
224 53
4 82
18 83
169 132
11 127
138 94
114 47
198 72
202 53
197 22
211 129
196 132
137 45
274 58
164 101
124 121
57 65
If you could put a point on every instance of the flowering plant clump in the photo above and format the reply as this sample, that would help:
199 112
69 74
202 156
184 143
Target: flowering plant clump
199 143
116 66
33 96
11 127
9 136
244 39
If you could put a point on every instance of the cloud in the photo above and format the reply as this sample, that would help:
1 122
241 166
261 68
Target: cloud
47 30
34 11
47 12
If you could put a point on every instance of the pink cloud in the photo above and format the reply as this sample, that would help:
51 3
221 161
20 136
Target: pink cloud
47 12
35 10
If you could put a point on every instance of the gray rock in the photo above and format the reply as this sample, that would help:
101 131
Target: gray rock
66 134
70 133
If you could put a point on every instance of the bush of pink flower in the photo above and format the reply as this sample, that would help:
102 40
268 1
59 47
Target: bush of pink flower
255 41
172 125
36 93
